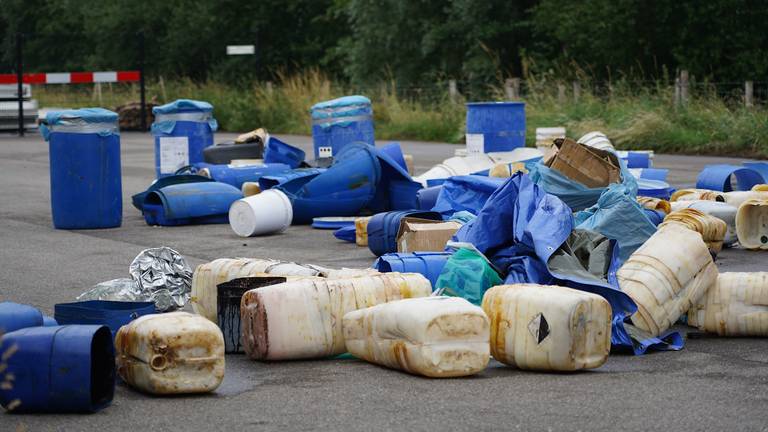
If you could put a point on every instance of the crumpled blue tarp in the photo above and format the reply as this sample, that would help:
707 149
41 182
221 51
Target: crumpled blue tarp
521 227
83 120
394 180
465 193
341 111
574 194
167 115
618 216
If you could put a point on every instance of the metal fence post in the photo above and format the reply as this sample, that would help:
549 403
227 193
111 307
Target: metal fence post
142 88
748 94
20 80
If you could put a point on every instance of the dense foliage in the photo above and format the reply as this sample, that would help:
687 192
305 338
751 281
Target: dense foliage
411 41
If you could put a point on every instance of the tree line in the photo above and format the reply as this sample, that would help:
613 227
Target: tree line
412 42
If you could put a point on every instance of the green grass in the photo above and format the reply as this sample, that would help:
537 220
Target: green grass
633 118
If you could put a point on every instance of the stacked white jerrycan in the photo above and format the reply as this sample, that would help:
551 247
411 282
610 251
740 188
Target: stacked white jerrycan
752 224
737 305
548 327
669 273
171 353
432 336
303 319
712 229
721 210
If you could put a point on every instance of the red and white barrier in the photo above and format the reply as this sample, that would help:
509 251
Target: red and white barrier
73 77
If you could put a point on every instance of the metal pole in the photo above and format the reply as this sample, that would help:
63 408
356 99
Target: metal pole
20 81
141 83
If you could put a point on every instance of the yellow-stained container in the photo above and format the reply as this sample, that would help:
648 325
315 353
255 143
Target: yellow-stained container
250 188
752 224
548 327
670 272
361 231
303 319
170 353
760 188
697 194
653 203
437 337
737 198
737 305
712 229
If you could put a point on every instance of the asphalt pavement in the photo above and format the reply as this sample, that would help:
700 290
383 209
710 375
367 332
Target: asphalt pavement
713 384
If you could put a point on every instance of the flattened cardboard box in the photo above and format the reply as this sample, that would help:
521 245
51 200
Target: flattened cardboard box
588 166
424 235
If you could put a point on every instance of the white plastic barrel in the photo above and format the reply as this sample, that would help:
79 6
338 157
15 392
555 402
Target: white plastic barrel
670 272
303 319
712 229
653 203
432 336
697 195
723 211
265 213
737 305
597 140
752 224
170 353
737 198
548 327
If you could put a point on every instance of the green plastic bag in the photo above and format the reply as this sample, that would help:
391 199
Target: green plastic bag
467 274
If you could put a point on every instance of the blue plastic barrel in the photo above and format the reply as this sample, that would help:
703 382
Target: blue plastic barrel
346 233
720 178
655 216
49 321
279 152
638 160
403 194
138 199
190 204
237 175
653 188
59 369
339 122
427 197
429 264
495 126
84 150
383 228
113 314
761 167
182 129
14 316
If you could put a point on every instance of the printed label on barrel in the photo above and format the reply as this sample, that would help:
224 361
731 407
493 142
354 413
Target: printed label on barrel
539 328
325 152
174 154
475 144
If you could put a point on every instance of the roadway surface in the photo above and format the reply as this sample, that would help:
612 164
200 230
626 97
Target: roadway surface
713 384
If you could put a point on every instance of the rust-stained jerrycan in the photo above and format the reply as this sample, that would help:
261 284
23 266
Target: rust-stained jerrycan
171 353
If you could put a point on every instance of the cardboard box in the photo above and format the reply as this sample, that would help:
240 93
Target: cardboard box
424 235
589 166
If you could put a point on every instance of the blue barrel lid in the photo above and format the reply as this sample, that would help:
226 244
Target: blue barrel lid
183 105
342 102
87 115
494 104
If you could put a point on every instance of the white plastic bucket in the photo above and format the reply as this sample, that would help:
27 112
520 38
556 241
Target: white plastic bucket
266 213
737 198
752 224
598 140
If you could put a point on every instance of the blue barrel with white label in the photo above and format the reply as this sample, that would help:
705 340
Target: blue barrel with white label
86 184
495 126
182 129
339 122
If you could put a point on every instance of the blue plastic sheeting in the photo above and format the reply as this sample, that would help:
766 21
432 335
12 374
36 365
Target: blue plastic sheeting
428 264
182 106
427 198
396 189
342 190
466 193
719 178
138 199
343 107
618 216
395 153
237 175
467 274
182 111
383 227
346 233
521 227
761 167
574 194
502 124
59 369
653 188
190 204
279 152
113 314
655 216
86 180
462 217
403 194
84 120
293 178
14 316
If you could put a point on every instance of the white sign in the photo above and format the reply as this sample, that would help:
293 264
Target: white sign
475 144
174 154
241 49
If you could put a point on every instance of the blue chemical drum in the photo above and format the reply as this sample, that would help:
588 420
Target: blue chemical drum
182 129
495 126
339 122
86 187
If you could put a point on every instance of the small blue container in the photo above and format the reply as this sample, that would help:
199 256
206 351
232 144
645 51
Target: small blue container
428 264
113 314
182 129
14 316
86 186
495 126
59 369
383 227
190 204
339 122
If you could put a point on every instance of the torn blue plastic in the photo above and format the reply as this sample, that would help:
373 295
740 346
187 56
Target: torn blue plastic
290 179
396 189
190 204
138 199
468 193
84 120
337 110
428 264
426 198
276 151
383 228
237 175
113 314
345 233
720 178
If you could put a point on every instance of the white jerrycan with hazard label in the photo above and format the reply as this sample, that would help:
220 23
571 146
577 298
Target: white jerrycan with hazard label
546 327
737 305
431 336
752 224
171 353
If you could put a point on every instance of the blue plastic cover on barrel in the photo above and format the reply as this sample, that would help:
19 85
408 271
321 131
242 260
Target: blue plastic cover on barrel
14 316
59 369
718 178
113 314
190 203
501 124
383 228
428 264
187 110
339 122
182 129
